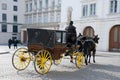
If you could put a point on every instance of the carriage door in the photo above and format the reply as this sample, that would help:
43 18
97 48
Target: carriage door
114 40
88 31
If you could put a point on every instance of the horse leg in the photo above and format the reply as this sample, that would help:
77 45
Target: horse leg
71 57
89 56
94 55
86 57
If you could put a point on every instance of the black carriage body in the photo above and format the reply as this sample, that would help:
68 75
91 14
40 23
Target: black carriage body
44 38
41 36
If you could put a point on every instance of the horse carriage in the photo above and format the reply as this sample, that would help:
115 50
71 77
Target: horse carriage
45 47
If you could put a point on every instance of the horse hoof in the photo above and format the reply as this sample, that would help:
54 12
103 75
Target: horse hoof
71 61
86 63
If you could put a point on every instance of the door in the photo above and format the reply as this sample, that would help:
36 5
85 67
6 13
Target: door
115 39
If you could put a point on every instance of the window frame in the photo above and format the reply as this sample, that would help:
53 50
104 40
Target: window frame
113 6
15 28
15 8
4 27
4 17
15 18
4 6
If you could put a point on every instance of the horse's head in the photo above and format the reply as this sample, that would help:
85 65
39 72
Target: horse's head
96 38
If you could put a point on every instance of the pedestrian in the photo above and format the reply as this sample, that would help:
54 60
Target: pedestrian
15 43
9 43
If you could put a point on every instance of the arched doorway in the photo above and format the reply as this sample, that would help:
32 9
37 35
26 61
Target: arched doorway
114 38
88 31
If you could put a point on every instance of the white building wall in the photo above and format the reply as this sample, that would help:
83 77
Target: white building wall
4 36
102 22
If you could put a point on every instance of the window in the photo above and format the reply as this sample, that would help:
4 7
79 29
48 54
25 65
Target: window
46 3
15 0
34 19
40 4
89 9
15 18
59 2
35 4
58 37
113 6
15 8
4 6
52 17
53 4
15 28
26 19
58 17
39 19
30 6
92 9
30 19
4 17
85 10
4 27
45 18
64 37
26 7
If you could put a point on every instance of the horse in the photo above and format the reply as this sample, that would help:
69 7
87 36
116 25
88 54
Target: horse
88 47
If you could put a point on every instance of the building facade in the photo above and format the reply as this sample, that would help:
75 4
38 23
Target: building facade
41 14
94 17
11 19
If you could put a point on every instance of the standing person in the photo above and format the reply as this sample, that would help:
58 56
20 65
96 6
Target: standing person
71 39
9 43
15 43
71 34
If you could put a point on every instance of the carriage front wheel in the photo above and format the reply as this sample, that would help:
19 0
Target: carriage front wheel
21 59
79 60
43 62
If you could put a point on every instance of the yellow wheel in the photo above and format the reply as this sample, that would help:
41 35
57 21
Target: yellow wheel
79 60
21 59
43 62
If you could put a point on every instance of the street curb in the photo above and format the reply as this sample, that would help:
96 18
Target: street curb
4 52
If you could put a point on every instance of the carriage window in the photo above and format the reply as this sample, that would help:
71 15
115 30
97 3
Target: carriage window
58 37
64 37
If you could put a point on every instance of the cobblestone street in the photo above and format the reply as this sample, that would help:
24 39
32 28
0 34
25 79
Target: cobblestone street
107 67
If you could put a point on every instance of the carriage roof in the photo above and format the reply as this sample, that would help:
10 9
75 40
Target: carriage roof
44 36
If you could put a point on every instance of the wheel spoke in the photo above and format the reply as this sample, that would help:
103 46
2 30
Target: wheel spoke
43 62
21 59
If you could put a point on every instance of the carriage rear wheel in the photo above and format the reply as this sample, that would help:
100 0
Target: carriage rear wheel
79 60
43 62
21 59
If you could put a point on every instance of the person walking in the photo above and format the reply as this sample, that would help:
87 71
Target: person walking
9 43
15 43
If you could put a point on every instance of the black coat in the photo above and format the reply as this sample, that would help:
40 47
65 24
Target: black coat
71 34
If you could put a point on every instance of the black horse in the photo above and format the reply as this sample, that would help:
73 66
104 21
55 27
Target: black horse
88 47
85 45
